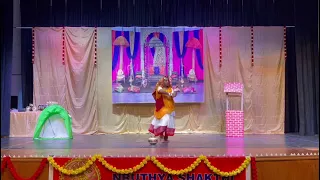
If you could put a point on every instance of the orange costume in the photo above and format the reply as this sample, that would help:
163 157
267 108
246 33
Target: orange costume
163 122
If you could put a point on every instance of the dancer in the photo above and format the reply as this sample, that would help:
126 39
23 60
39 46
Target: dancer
163 122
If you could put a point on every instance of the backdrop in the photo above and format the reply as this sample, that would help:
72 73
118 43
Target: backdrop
84 89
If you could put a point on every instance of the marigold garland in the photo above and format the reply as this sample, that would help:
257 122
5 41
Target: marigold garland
134 169
124 171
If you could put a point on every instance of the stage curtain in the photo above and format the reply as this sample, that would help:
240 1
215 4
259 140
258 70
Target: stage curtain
48 70
6 37
109 13
307 66
81 95
26 67
264 85
302 85
291 101
268 81
72 85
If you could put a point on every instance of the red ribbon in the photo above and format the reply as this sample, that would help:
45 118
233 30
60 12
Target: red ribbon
3 164
8 163
254 173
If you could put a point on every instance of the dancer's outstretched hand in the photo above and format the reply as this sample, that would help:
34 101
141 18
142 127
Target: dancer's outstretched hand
174 94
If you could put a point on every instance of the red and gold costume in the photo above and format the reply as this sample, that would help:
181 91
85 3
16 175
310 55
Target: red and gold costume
163 122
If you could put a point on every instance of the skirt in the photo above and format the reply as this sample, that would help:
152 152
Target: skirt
164 127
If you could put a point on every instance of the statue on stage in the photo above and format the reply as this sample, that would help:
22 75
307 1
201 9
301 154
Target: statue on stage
163 124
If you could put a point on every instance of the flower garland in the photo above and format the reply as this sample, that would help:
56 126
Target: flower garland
7 162
63 45
177 172
124 171
71 172
33 45
220 47
134 169
252 46
95 45
285 42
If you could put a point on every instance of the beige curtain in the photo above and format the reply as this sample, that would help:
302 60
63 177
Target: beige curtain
72 85
81 74
48 71
264 85
88 96
268 81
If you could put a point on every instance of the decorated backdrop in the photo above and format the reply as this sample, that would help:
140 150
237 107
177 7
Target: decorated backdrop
65 71
143 55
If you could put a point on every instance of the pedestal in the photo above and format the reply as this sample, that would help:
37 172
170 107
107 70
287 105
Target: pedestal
234 118
234 123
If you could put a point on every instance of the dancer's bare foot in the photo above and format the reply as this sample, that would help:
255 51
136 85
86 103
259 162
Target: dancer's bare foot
161 137
166 138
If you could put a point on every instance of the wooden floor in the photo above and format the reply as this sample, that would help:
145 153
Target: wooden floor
274 153
179 145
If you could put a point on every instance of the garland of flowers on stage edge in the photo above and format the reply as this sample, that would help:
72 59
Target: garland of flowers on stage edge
134 169
6 162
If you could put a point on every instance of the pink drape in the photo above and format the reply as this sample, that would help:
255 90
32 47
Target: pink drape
126 60
149 61
188 57
199 71
137 60
175 58
114 71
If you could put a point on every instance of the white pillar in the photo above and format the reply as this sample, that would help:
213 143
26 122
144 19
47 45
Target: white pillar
170 56
142 52
142 58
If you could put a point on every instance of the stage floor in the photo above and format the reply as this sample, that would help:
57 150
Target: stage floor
179 145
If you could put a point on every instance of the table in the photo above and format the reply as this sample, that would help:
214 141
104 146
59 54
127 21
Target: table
22 124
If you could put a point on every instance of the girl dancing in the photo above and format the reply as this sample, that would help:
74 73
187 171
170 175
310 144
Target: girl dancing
163 122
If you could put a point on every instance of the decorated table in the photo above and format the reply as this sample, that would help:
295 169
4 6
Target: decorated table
22 124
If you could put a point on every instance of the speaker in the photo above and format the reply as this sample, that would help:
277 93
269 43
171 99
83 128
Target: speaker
14 102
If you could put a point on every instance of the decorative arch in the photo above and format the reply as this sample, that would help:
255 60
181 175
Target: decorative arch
49 112
150 44
149 31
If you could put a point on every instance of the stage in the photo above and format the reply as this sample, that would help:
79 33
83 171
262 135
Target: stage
179 145
276 155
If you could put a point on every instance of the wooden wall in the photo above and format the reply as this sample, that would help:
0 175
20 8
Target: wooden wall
288 168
